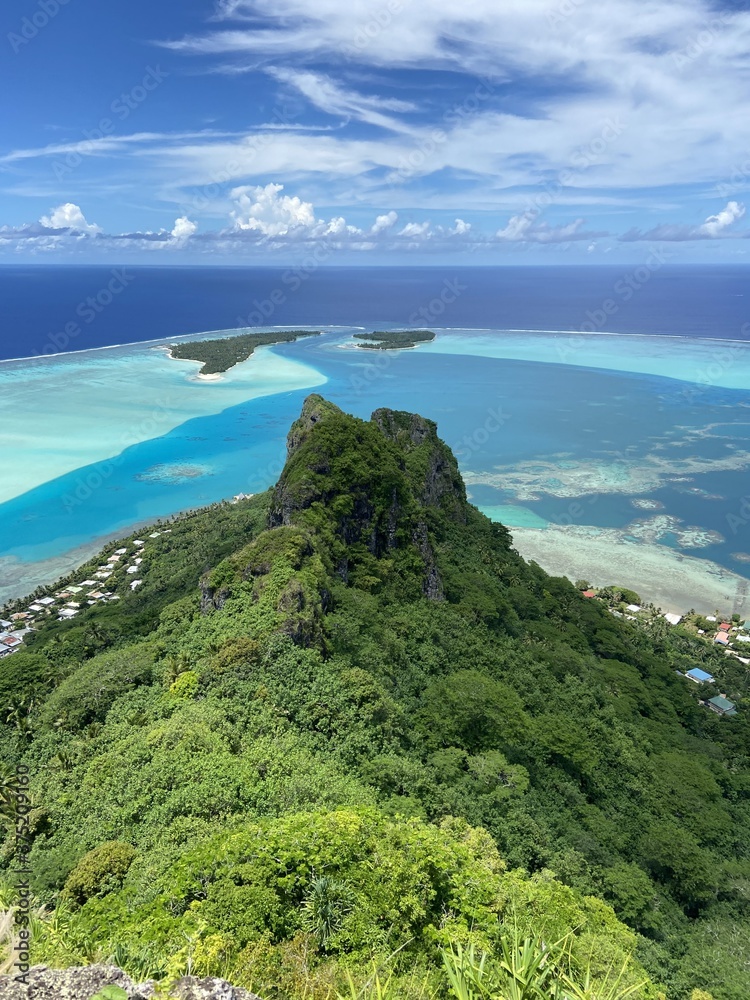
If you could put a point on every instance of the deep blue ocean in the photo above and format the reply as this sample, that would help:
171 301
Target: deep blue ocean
47 309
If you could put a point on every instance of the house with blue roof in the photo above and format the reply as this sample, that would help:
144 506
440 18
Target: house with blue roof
699 676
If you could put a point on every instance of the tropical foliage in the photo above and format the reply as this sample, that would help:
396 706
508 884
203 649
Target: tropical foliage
345 741
225 352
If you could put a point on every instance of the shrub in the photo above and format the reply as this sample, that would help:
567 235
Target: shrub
100 872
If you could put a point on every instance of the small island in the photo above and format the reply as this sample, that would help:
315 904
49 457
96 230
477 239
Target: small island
220 355
394 340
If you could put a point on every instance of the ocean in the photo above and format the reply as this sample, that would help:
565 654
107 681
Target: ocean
48 309
603 413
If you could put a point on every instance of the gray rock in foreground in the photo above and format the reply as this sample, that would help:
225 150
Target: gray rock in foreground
83 984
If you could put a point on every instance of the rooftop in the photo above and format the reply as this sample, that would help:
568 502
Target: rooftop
722 705
698 675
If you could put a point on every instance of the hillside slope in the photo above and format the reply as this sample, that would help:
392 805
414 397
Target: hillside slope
371 729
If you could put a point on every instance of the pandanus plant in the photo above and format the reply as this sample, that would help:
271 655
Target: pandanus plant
527 968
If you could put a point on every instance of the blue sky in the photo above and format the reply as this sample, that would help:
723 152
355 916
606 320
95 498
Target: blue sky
373 130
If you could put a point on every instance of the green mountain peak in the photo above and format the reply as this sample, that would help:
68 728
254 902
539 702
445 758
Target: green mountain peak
344 722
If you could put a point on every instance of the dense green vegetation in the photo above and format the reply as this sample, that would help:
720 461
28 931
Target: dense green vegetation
390 340
223 353
345 723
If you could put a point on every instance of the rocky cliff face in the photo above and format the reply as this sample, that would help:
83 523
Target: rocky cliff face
357 500
371 481
86 983
435 472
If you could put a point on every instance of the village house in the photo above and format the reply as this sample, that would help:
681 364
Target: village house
722 706
699 676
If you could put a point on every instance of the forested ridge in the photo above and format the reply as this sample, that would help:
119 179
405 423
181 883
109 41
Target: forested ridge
344 723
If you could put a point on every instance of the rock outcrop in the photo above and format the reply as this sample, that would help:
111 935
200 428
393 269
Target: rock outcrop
437 479
372 483
86 983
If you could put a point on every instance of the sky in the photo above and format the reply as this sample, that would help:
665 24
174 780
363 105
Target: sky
374 131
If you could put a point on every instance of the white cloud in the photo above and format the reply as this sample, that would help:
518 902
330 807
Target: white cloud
69 216
331 97
110 144
270 213
415 229
265 216
715 227
384 222
183 228
657 96
273 215
716 224
525 229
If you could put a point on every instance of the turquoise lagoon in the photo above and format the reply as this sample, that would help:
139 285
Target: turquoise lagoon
642 439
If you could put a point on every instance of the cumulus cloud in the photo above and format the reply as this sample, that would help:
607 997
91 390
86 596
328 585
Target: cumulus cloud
267 211
66 229
183 228
69 216
272 215
384 222
716 226
266 216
